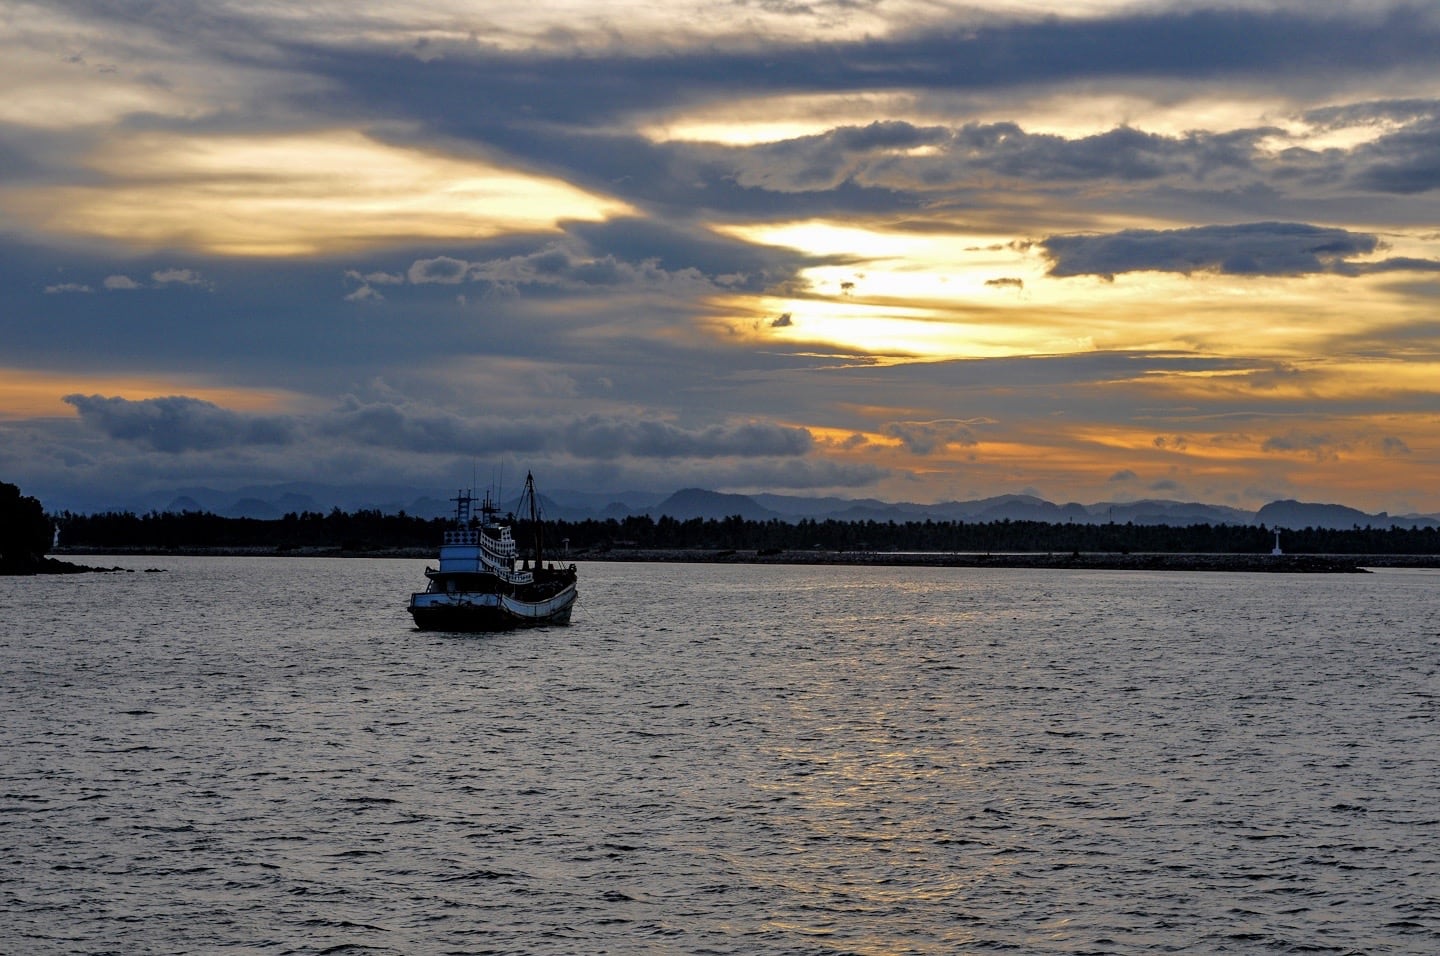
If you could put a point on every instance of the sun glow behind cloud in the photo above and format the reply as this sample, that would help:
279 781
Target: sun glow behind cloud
26 393
295 195
758 120
932 295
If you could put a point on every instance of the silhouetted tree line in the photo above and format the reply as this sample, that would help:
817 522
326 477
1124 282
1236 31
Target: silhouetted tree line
25 530
353 531
373 530
988 536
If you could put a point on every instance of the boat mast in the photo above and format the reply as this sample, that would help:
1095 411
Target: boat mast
534 516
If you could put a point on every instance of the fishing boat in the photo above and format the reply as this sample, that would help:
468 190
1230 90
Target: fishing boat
484 583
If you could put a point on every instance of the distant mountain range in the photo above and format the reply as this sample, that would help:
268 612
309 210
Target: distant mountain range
274 501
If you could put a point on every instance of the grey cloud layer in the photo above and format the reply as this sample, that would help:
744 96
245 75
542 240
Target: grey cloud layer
554 266
179 424
1301 44
1265 248
924 438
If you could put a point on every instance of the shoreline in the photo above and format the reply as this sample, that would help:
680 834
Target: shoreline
1098 561
1081 560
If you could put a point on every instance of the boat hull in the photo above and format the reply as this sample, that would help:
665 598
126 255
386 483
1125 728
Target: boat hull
478 611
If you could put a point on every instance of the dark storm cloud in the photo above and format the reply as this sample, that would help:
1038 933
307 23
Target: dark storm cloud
1318 445
426 431
825 161
1393 264
1255 249
1323 446
1404 162
1390 445
912 165
591 436
753 473
1124 154
598 437
1369 113
925 438
475 88
442 269
1401 160
178 423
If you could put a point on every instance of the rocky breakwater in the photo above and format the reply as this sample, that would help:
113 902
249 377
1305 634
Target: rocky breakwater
46 565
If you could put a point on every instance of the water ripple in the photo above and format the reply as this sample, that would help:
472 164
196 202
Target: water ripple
262 756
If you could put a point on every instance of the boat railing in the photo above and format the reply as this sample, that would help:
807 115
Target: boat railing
504 548
501 547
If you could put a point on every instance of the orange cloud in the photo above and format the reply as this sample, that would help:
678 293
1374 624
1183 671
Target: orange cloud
38 394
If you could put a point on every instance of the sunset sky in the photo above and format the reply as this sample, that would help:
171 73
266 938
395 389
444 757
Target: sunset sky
900 249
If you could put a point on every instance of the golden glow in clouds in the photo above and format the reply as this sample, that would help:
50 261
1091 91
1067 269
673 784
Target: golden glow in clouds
296 194
26 393
937 296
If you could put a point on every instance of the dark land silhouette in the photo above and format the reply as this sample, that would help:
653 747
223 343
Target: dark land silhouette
26 534
993 543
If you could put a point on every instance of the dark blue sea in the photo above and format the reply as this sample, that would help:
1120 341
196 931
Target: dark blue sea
261 755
